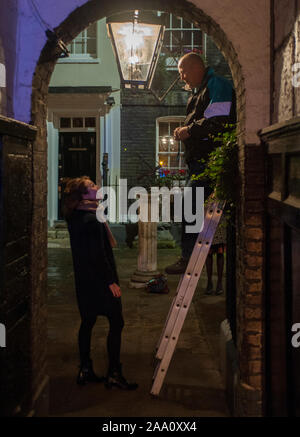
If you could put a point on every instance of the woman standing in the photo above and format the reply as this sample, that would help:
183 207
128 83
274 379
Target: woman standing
96 280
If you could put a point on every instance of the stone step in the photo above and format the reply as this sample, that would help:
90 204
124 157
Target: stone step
57 233
60 224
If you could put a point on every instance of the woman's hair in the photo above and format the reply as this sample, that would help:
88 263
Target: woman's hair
73 190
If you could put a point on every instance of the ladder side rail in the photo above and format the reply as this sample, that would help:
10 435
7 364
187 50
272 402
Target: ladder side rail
168 316
163 366
170 321
185 281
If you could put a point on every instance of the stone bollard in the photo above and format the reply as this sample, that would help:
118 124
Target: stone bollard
147 257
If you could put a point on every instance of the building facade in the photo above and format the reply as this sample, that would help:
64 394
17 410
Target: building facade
83 123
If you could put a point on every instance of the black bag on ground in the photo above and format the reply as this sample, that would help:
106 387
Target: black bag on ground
158 285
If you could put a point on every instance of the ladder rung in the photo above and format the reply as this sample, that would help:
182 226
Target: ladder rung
201 250
183 299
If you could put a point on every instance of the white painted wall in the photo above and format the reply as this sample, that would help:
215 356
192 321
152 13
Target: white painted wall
102 71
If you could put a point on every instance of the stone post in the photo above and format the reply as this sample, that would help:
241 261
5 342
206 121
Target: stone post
147 257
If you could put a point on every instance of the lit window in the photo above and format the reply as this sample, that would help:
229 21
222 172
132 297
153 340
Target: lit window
85 44
170 152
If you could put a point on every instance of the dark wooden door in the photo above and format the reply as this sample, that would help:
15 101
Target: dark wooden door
283 269
77 157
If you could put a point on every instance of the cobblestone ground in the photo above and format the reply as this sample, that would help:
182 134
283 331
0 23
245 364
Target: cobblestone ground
193 385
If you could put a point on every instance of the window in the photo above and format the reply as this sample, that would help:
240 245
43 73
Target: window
170 152
181 36
77 122
85 44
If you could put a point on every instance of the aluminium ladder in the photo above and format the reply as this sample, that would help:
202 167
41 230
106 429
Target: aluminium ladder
184 294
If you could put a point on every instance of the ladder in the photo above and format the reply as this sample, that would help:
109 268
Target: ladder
184 295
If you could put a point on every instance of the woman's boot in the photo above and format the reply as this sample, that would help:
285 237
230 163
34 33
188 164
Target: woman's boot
115 378
86 374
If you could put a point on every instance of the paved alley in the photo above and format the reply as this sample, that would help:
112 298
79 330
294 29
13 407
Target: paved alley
193 385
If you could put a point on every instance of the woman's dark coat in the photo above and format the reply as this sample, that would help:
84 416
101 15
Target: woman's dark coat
94 264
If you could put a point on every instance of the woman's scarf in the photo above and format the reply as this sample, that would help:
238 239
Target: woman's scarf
92 205
88 205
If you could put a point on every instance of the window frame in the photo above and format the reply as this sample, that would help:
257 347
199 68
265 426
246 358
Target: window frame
83 57
169 119
78 129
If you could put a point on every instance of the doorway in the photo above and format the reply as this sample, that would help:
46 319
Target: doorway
77 157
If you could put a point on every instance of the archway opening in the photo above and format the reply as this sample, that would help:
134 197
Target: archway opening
74 24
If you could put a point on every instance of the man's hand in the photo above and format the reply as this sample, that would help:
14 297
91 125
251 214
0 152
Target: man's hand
115 289
181 133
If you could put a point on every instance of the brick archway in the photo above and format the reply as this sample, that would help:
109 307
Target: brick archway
67 30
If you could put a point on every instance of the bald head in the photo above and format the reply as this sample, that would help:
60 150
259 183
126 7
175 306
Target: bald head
191 69
191 59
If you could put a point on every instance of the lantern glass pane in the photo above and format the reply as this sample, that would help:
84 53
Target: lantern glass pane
135 44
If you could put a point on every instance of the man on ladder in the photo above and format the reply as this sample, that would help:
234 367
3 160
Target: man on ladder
209 109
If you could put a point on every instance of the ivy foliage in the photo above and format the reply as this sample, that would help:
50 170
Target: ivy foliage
221 168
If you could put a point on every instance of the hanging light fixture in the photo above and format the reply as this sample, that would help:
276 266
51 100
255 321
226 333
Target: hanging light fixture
137 39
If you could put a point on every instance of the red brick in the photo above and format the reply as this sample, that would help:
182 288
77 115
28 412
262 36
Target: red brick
253 313
254 339
253 206
254 246
255 367
253 274
254 353
255 381
253 261
253 287
254 233
254 326
253 299
253 220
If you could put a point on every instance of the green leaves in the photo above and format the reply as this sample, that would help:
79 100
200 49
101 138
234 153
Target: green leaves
222 165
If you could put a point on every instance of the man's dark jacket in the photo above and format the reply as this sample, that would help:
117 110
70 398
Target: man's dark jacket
208 109
94 264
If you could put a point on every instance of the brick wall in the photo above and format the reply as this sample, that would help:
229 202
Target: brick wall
138 130
250 282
